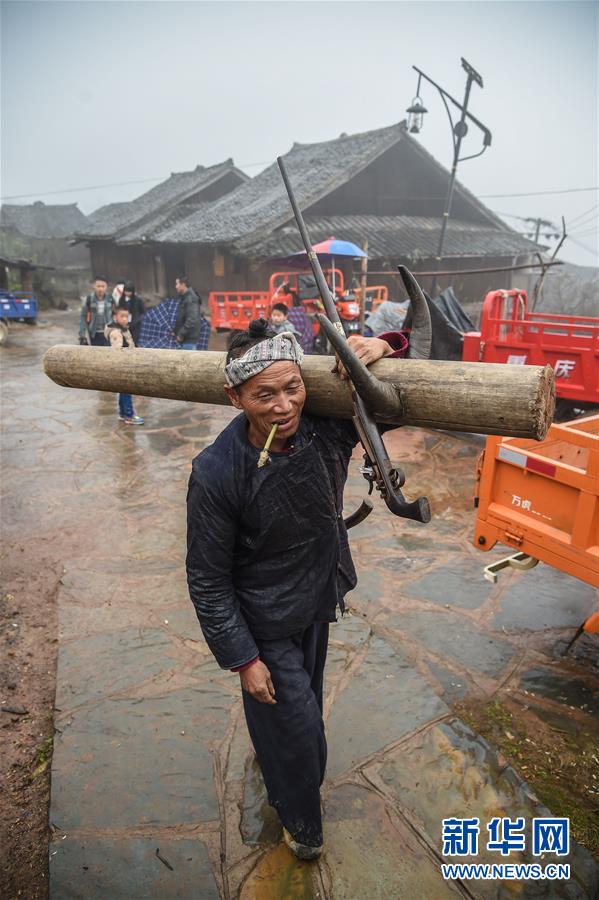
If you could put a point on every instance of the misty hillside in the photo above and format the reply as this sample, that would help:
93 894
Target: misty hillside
571 289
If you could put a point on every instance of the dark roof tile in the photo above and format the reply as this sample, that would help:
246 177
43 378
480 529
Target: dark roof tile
315 169
117 219
42 220
261 205
400 237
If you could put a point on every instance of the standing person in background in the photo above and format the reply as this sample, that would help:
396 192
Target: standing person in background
119 337
136 308
279 321
187 323
300 319
96 313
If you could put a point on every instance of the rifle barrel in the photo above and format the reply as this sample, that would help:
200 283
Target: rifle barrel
323 288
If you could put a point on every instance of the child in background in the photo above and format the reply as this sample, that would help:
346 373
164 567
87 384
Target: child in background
118 335
279 321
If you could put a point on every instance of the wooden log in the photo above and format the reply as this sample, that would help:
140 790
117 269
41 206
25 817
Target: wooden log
514 401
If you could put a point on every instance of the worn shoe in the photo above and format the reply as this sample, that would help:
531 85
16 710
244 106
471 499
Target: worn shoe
302 851
135 420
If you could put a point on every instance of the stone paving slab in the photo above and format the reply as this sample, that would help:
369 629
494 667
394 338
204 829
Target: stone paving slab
120 659
545 598
388 697
452 635
128 869
125 762
457 583
371 853
452 686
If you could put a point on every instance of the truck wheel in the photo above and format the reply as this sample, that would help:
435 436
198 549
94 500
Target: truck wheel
30 321
3 331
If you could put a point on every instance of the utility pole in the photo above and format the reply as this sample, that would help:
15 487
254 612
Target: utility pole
539 223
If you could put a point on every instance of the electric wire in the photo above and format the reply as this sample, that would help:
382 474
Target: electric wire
584 214
95 187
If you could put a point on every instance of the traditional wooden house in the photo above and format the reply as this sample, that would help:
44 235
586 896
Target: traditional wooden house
381 186
121 235
41 232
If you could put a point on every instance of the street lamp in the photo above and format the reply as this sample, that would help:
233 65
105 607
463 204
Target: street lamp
459 130
416 112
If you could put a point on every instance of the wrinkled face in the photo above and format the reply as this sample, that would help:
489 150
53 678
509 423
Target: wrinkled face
180 286
275 395
121 316
100 288
277 317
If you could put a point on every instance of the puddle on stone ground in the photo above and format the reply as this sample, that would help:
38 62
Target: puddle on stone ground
568 690
259 822
565 724
280 876
450 771
584 651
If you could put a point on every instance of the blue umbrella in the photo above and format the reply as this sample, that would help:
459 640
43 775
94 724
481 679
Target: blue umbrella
157 328
326 252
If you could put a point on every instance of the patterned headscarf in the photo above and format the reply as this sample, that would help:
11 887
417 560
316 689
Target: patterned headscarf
282 346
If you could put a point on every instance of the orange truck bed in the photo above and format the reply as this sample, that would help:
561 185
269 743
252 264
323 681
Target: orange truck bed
542 497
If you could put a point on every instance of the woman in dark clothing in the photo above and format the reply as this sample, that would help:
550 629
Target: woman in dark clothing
136 308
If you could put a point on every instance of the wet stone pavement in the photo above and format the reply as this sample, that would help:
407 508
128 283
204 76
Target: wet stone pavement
151 749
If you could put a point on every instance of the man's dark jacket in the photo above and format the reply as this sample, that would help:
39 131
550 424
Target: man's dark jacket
137 310
187 323
267 549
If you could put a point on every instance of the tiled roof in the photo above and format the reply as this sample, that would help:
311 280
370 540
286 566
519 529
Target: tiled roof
105 220
406 237
43 221
315 170
261 205
116 219
164 218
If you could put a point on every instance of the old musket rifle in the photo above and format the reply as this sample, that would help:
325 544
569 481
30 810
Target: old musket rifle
377 469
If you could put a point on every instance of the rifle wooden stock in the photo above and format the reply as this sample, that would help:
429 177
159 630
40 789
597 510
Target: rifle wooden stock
515 401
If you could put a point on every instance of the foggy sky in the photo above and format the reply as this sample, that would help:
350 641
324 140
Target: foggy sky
101 92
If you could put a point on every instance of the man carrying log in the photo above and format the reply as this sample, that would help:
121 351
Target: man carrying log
268 560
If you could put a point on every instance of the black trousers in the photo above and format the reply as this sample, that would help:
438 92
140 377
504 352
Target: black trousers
289 737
